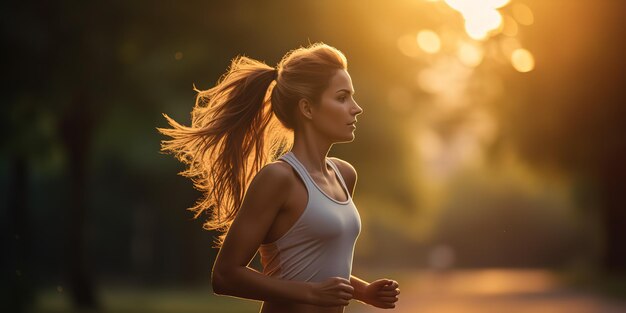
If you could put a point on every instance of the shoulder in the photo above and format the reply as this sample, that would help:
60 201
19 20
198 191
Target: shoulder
277 172
272 179
268 191
347 171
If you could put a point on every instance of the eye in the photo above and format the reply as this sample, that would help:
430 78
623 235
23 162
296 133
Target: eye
342 98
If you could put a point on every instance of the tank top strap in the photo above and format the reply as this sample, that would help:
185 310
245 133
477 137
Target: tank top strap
304 175
334 166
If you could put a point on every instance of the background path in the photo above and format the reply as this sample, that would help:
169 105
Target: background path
491 291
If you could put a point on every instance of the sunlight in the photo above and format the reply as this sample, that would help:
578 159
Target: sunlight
469 5
496 4
482 22
481 18
522 60
429 41
470 54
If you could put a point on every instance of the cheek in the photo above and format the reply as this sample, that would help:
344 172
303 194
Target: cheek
335 115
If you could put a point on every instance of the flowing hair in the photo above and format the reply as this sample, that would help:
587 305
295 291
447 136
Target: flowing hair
243 123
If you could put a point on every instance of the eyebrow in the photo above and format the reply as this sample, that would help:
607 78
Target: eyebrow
346 90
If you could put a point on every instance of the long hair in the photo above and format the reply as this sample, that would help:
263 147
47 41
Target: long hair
243 123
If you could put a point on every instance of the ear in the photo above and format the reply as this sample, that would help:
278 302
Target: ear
306 108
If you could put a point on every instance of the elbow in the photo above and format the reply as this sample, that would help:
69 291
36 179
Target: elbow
222 280
217 283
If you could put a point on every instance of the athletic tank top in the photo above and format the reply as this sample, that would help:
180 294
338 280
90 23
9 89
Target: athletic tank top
320 244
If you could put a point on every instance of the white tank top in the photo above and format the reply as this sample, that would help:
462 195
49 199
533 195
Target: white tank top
320 244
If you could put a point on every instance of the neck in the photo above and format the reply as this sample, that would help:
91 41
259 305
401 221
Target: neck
311 151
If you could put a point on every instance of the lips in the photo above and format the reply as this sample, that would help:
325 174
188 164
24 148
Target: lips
352 123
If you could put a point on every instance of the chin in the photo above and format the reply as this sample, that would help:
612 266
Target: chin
342 137
346 139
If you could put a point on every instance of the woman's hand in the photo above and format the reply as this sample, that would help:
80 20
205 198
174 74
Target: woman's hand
382 293
335 291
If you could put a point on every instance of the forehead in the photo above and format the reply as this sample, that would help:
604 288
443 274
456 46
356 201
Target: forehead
341 80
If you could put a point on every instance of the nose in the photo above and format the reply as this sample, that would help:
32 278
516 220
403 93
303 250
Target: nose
357 109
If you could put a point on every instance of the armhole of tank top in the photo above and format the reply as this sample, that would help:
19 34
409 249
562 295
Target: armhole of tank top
306 207
338 173
294 167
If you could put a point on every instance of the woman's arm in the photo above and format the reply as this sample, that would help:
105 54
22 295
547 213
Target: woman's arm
381 293
231 275
359 287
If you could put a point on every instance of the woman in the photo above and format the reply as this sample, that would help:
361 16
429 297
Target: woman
295 210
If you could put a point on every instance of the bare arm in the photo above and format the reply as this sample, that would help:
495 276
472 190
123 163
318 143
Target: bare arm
359 287
231 275
381 293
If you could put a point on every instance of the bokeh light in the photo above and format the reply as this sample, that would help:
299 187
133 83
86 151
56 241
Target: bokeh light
470 54
522 60
429 41
510 27
407 44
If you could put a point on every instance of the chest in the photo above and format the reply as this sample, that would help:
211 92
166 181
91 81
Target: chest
323 218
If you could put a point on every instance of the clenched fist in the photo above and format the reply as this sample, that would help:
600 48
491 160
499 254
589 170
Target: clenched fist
334 291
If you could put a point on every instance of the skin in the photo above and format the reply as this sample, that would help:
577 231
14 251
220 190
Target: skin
275 200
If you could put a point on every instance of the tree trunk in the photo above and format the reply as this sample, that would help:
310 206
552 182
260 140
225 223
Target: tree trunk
76 132
614 202
17 239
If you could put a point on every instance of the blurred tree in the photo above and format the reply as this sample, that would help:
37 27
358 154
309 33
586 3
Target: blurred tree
57 67
570 111
49 51
72 63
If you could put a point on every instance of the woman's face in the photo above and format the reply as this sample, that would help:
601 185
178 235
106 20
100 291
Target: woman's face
335 115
